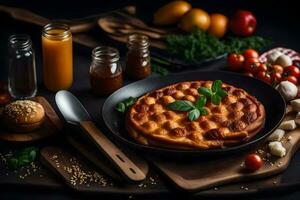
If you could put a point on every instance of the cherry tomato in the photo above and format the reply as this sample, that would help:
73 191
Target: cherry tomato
292 71
291 79
253 162
275 77
251 64
262 67
277 69
264 76
248 74
235 61
4 98
250 53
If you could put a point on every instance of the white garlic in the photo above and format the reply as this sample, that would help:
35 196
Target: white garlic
284 60
277 135
288 125
276 149
296 104
272 57
287 89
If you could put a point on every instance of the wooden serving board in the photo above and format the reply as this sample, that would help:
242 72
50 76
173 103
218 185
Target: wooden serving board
51 126
199 175
90 179
82 145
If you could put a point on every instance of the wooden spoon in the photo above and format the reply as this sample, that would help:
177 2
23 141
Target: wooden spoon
76 26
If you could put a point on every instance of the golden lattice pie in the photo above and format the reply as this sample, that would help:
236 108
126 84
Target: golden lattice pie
237 118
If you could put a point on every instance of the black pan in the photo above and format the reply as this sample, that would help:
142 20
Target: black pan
266 94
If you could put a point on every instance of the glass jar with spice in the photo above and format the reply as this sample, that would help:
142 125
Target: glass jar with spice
57 56
22 82
105 70
138 64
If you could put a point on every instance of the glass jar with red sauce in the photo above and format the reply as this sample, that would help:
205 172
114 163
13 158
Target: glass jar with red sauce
105 70
138 64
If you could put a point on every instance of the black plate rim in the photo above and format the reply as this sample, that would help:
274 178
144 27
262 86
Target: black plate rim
190 152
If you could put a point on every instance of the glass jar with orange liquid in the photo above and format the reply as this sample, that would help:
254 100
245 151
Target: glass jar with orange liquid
57 56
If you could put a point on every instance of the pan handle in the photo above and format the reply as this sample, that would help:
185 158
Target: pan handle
111 151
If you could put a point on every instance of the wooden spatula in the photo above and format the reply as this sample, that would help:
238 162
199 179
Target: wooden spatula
76 26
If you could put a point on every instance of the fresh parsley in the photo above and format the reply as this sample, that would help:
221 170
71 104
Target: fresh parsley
124 105
215 93
194 110
200 45
22 157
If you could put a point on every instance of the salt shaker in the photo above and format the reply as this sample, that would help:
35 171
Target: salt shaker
22 83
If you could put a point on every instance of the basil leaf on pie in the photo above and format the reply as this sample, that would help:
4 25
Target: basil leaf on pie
194 114
181 105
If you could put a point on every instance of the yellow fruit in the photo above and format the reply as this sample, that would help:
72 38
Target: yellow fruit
171 12
195 18
218 25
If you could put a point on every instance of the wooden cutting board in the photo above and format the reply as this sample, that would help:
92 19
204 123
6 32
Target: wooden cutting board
199 175
51 126
82 145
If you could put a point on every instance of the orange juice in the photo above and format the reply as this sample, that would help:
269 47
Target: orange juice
57 57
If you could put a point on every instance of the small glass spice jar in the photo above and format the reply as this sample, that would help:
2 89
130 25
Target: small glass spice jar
138 64
57 56
22 82
105 70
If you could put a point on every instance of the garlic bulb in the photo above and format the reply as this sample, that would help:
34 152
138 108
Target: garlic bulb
272 57
284 60
287 89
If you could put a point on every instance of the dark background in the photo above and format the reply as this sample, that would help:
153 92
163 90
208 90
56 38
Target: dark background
278 20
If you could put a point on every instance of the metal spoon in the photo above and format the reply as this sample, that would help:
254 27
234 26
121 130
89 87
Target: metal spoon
74 113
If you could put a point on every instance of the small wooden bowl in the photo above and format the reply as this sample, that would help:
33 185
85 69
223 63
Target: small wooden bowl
51 126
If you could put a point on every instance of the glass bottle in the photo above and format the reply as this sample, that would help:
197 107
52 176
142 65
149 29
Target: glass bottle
22 82
105 70
138 64
57 56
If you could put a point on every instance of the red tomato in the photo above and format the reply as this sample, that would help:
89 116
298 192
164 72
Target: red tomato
262 67
251 64
276 77
253 162
250 53
264 76
291 79
235 61
248 74
277 69
292 71
4 98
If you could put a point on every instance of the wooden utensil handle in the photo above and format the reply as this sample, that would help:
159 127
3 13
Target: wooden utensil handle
25 15
123 163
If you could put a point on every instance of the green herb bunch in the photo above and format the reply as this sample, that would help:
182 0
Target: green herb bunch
22 157
214 94
200 45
